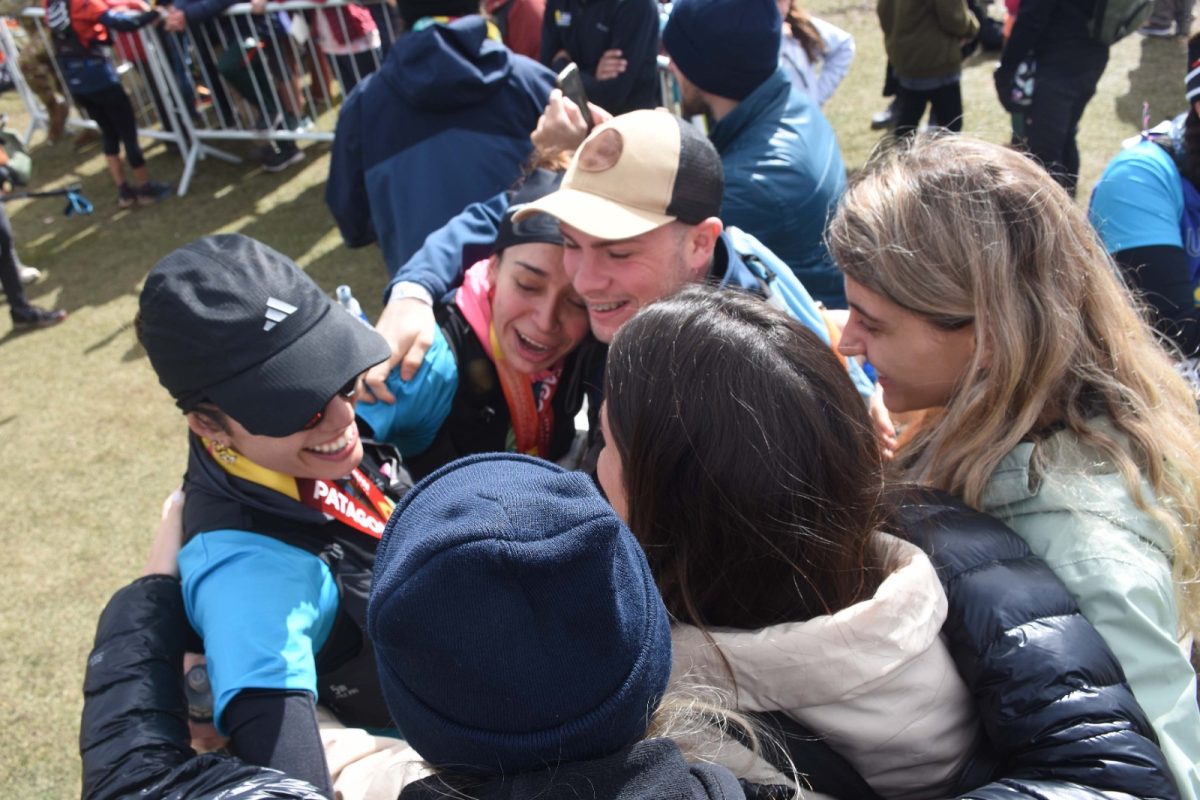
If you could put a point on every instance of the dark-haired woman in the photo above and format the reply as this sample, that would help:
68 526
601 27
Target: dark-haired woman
1147 210
739 456
762 548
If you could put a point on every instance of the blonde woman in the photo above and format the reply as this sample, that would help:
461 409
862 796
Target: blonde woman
977 287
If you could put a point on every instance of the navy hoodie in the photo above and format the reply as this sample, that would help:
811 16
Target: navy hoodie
445 122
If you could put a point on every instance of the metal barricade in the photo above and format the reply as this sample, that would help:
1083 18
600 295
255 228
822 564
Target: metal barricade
268 76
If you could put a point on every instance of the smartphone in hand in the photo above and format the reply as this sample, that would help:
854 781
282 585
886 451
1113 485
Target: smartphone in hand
571 84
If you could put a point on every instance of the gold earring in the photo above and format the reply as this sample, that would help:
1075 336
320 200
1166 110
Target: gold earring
224 452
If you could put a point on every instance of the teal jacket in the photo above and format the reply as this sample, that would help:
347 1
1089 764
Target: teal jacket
1075 512
783 176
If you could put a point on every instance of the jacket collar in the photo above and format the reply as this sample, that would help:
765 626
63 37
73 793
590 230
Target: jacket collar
767 101
1060 473
842 654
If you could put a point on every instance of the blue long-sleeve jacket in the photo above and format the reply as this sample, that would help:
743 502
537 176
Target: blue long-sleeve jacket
443 123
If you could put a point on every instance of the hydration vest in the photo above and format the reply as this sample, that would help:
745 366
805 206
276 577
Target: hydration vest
479 419
347 679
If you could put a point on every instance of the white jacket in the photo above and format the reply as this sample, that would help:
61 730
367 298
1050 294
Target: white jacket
804 75
874 679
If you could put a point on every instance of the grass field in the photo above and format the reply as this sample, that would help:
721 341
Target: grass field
90 444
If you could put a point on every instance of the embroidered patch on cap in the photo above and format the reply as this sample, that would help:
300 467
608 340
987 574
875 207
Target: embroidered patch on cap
601 152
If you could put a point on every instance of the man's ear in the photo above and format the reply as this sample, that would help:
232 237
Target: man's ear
202 425
701 242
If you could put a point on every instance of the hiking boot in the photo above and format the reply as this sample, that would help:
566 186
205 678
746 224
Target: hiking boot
151 192
28 274
31 317
277 160
126 196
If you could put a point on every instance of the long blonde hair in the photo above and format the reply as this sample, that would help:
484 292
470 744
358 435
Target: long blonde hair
958 230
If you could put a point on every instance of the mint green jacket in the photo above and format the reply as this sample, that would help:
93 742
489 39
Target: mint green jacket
1076 513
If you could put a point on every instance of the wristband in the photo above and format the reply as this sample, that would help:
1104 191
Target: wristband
407 289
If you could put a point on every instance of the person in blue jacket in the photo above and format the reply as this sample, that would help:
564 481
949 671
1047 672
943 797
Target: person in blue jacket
783 168
443 123
1146 207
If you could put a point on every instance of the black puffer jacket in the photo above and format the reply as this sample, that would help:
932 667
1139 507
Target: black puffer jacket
1051 696
1058 719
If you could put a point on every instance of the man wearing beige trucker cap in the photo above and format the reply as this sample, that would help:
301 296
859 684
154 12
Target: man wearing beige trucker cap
639 208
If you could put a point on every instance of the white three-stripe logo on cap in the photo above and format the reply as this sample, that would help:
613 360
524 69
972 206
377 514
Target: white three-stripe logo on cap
277 311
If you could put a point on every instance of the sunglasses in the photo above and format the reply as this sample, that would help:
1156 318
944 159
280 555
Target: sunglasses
346 391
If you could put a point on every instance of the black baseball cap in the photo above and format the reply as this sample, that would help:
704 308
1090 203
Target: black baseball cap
534 228
230 321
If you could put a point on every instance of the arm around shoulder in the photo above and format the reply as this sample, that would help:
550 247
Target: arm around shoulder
1057 716
133 736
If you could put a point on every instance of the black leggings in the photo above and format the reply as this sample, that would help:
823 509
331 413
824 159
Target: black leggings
111 110
946 102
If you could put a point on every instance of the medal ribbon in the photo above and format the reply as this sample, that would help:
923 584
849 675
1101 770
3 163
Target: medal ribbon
338 499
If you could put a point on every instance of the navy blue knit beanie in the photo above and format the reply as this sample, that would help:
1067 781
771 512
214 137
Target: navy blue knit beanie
515 620
725 47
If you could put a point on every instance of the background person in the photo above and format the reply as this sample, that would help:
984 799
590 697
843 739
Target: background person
444 122
977 288
1146 207
924 41
615 44
777 149
25 315
1052 37
815 54
79 32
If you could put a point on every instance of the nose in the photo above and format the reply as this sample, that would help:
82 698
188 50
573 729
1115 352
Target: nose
544 314
851 344
582 266
339 412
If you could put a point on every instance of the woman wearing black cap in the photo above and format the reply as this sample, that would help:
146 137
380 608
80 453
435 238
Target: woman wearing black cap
287 492
285 499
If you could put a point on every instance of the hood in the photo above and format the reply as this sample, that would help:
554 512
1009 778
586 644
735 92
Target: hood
447 65
846 654
1063 474
650 768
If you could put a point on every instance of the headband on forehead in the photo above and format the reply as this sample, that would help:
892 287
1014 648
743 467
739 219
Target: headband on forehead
532 228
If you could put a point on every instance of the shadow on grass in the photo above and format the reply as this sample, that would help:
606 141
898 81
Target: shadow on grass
90 261
1157 79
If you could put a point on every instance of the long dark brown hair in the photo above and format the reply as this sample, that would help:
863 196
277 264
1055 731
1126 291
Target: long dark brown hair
752 476
803 30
